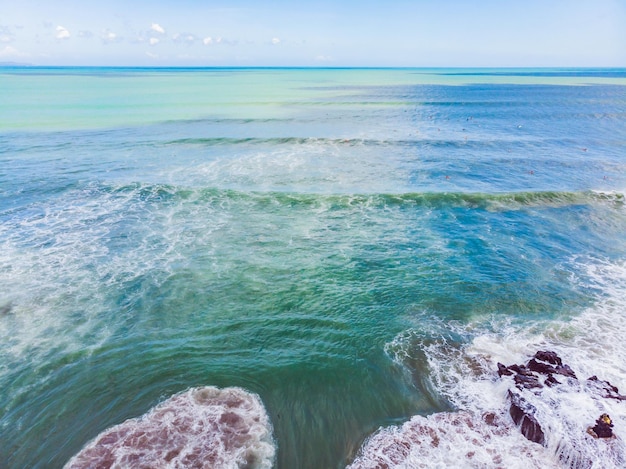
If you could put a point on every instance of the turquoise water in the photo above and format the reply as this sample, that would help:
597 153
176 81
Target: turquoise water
338 242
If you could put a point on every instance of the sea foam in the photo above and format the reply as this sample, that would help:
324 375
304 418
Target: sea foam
202 427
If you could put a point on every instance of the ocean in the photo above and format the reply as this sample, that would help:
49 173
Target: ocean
340 257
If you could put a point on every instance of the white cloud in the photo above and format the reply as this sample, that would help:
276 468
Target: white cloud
10 51
154 41
85 34
186 38
151 55
275 41
109 36
62 33
6 35
207 40
157 28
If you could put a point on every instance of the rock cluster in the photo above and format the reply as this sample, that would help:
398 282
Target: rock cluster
543 370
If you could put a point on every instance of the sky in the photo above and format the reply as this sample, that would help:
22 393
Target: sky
350 33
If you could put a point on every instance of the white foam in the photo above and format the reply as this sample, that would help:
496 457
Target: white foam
203 427
445 440
65 262
464 371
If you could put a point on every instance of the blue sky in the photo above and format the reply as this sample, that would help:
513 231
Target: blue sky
319 33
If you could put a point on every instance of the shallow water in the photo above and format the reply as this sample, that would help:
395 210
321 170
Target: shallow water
355 247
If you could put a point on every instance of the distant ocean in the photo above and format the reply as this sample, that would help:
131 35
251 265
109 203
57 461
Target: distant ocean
352 250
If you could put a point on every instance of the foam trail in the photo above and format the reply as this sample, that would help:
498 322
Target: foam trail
203 427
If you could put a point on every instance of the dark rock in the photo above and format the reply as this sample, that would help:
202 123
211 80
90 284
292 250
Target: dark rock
538 367
603 427
503 370
605 389
551 381
490 419
523 414
527 381
565 370
550 357
520 369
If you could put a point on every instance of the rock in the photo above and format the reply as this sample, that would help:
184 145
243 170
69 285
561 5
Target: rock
527 381
520 369
551 381
523 414
503 370
547 369
490 419
534 365
603 427
565 370
605 389
550 357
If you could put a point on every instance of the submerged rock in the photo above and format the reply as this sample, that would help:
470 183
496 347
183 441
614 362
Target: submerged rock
201 428
5 309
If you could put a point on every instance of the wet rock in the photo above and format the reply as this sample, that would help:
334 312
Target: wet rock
490 419
603 427
527 381
538 367
531 376
565 370
548 356
503 370
547 369
523 414
605 389
551 381
520 369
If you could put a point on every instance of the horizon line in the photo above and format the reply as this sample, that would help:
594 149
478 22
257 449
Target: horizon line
339 67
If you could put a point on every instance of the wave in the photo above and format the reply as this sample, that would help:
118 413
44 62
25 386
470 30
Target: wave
202 427
450 142
487 201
